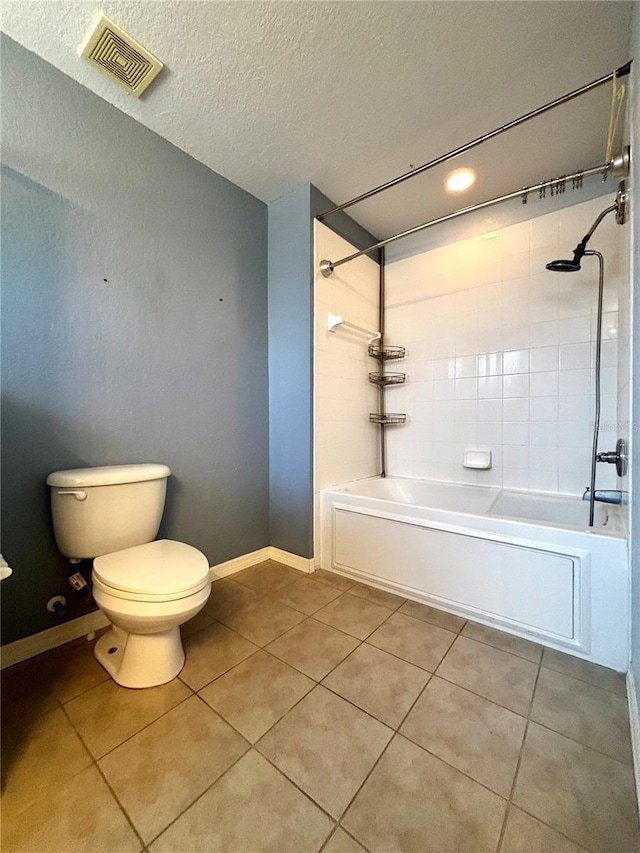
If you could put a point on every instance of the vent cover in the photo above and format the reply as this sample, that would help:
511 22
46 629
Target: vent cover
121 57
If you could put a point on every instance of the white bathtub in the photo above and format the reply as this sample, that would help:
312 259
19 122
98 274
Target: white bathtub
523 562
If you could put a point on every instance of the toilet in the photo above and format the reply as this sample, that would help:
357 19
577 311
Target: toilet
146 588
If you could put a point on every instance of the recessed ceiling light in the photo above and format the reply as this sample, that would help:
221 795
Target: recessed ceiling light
460 180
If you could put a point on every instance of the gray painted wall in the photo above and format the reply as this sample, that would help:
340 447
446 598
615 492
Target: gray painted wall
634 101
291 360
134 327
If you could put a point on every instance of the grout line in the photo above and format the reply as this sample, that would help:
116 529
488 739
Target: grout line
582 680
578 844
520 754
145 726
627 764
95 764
499 648
202 793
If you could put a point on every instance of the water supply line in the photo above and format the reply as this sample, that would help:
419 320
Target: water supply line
596 423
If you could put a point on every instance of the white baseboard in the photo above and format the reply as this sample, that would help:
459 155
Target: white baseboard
634 722
302 564
223 570
34 645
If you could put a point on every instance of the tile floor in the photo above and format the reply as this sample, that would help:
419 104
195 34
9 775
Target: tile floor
314 714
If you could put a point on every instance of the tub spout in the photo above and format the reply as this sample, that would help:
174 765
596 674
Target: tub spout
607 496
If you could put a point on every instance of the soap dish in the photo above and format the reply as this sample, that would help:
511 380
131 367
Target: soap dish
477 459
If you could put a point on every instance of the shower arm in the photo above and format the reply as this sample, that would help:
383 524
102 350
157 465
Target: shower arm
580 249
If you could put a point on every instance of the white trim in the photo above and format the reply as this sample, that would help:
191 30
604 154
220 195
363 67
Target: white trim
302 564
43 641
222 570
29 647
634 723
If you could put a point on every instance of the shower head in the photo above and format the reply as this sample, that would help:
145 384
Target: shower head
565 265
620 207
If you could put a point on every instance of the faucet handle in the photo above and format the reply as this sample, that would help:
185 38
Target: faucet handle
617 457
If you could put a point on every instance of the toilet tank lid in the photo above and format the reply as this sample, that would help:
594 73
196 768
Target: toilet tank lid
108 475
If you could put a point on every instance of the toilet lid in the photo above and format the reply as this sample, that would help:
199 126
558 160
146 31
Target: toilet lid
162 567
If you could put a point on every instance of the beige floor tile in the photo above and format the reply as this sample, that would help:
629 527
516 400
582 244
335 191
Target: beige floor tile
331 578
501 640
313 648
418 642
229 597
448 621
584 670
415 803
38 756
264 622
591 715
267 578
353 615
81 816
24 694
327 747
109 714
494 674
584 794
340 842
525 834
256 693
476 736
380 684
307 595
212 652
71 671
377 596
252 809
197 623
161 770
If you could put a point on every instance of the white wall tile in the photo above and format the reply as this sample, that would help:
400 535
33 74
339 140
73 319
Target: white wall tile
575 356
544 359
516 385
515 432
501 350
516 361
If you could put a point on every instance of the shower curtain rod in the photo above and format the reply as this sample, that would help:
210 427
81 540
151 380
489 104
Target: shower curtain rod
327 267
619 72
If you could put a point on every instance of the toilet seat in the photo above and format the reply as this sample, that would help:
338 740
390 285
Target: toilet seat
163 570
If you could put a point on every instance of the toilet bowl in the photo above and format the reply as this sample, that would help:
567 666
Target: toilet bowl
147 592
146 588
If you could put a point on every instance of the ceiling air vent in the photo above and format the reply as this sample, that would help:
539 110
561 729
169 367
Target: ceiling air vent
121 57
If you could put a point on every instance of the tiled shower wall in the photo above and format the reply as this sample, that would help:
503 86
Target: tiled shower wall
345 443
500 354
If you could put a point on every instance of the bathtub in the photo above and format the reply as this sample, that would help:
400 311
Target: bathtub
522 562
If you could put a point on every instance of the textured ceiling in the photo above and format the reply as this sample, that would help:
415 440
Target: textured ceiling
347 95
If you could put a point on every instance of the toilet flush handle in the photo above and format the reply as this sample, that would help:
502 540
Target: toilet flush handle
79 494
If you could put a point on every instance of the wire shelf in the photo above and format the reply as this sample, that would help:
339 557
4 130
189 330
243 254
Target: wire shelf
387 419
386 353
384 379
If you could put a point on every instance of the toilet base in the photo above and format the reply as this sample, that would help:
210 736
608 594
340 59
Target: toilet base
140 660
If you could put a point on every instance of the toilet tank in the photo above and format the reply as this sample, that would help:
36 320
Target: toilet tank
98 511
